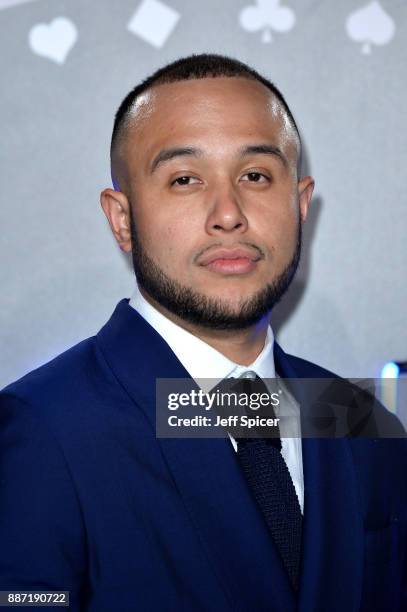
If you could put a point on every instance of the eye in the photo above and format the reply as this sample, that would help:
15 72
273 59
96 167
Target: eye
185 180
255 177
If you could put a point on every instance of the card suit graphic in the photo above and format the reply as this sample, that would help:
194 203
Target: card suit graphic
154 22
370 25
54 40
266 15
4 4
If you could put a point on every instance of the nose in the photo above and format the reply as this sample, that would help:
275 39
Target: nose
225 211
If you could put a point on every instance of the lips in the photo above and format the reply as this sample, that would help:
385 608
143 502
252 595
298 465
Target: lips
240 253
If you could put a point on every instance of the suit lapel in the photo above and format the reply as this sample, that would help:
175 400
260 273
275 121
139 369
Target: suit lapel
332 558
231 528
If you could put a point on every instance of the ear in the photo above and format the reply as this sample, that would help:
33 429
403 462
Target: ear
305 189
117 210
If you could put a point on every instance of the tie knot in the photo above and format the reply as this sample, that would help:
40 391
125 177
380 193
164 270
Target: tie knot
245 392
250 374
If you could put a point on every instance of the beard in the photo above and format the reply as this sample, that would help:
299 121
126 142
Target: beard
199 309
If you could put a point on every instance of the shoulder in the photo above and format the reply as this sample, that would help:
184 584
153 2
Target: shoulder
375 436
60 372
68 386
356 399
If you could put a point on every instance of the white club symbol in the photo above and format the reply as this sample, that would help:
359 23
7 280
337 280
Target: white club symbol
266 15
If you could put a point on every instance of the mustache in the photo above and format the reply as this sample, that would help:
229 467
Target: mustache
222 245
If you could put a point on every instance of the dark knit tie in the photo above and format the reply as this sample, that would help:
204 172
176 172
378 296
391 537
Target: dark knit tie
270 481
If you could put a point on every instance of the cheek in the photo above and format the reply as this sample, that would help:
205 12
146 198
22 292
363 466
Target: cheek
289 232
279 226
168 242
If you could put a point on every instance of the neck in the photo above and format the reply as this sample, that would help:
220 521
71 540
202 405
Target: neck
242 346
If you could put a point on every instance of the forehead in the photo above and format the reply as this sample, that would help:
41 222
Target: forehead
225 110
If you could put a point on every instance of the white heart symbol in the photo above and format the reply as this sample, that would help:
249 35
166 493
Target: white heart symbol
53 40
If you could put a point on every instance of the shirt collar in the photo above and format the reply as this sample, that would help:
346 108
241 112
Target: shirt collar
200 359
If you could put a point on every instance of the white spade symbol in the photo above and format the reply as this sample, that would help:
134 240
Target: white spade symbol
370 25
266 36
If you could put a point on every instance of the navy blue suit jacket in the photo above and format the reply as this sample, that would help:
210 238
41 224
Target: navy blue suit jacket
93 503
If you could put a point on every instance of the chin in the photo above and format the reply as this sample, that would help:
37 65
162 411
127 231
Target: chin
231 298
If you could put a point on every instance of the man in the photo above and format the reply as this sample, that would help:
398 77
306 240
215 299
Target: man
208 199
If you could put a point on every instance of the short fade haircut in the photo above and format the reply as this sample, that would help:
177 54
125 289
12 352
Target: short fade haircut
194 66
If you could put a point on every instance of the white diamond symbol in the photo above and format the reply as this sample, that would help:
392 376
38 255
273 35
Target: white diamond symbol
153 21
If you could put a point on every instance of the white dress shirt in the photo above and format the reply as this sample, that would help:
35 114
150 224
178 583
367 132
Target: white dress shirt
202 361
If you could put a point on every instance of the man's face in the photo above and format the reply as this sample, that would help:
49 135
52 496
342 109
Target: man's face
215 201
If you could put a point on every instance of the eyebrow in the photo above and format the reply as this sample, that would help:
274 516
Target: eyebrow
256 149
264 149
167 154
